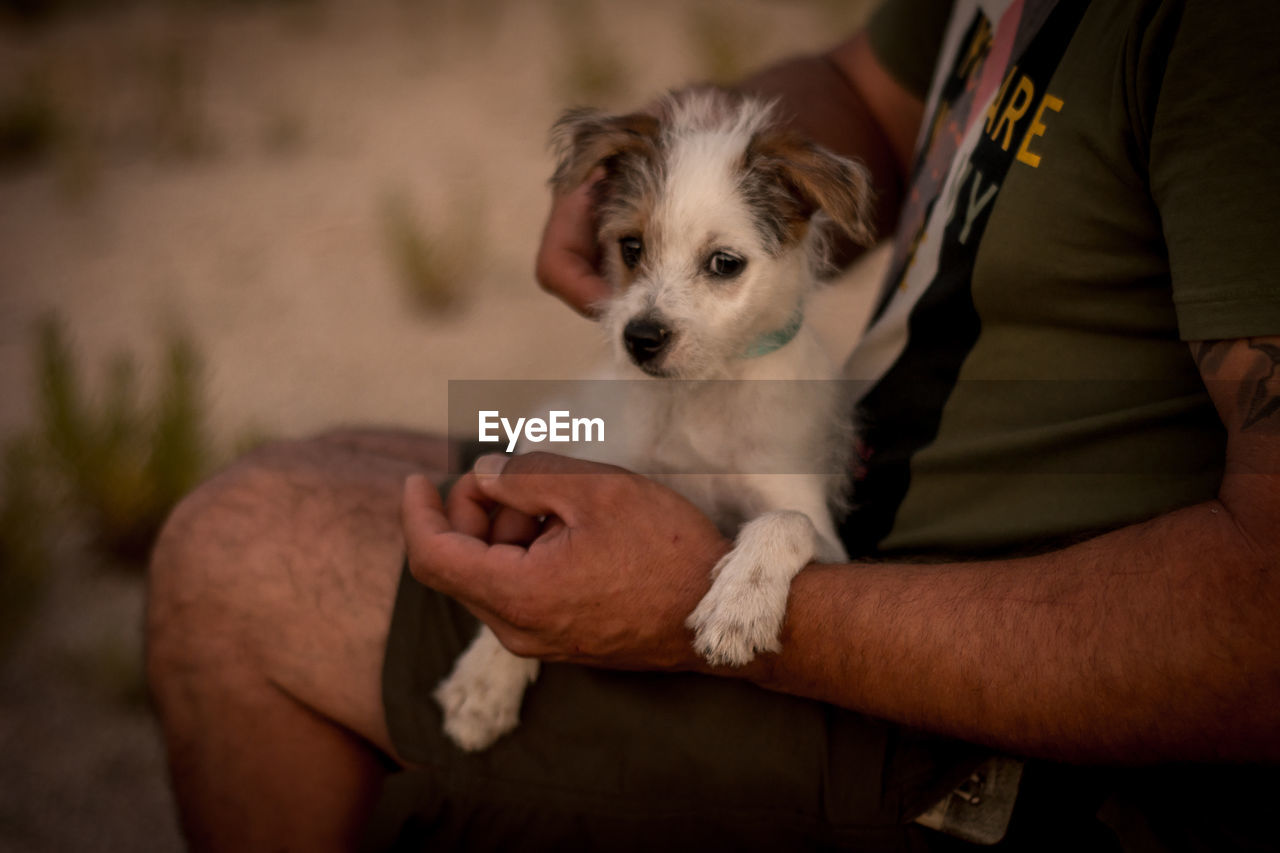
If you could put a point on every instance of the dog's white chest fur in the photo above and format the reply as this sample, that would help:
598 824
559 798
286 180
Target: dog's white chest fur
712 219
769 438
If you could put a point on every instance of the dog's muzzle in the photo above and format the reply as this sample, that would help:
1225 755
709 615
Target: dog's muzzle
645 339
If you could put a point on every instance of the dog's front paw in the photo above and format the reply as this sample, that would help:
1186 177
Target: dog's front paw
740 616
481 698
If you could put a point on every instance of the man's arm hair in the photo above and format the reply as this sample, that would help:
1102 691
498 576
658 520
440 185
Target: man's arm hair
1158 641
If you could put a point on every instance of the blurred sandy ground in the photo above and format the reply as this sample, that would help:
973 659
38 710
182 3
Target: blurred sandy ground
231 176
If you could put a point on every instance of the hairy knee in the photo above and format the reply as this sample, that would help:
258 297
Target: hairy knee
230 511
237 554
206 528
204 569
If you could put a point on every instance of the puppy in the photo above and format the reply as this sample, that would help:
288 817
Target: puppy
713 223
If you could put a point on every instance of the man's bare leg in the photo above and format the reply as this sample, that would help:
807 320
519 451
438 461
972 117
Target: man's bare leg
270 597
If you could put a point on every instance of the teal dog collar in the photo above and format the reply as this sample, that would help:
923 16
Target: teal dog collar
777 339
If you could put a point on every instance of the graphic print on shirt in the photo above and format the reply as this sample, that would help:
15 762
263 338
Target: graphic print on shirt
987 110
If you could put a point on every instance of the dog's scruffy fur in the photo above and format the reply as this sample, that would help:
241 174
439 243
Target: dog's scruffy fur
713 222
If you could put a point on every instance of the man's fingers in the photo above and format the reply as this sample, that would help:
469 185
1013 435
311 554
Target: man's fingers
576 282
513 527
450 561
472 512
468 508
541 484
569 255
421 508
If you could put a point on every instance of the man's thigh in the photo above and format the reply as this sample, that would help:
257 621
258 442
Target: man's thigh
637 760
286 565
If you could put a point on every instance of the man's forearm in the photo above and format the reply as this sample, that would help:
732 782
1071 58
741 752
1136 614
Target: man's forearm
1157 641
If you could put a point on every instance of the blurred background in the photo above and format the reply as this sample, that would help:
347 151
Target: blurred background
227 221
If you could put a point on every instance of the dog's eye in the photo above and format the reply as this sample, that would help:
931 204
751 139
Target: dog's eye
725 265
631 248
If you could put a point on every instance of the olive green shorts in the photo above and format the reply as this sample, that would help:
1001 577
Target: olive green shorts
643 761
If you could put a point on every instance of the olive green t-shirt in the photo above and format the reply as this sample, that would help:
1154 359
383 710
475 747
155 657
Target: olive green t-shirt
1095 185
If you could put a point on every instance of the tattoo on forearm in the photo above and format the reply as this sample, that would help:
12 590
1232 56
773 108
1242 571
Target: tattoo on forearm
1260 392
1209 354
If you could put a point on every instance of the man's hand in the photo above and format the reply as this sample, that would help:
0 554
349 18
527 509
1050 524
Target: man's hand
605 578
569 255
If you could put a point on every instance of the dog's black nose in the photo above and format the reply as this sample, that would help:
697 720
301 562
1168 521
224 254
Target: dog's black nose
645 339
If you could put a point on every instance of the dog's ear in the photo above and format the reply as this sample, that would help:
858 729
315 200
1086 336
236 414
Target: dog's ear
585 138
817 180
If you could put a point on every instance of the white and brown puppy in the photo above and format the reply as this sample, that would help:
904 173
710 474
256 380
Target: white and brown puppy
713 222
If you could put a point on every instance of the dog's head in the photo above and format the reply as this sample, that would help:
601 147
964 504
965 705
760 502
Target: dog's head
713 220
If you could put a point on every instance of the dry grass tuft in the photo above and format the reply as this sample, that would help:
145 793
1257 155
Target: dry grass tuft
121 464
433 263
